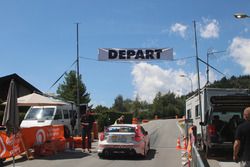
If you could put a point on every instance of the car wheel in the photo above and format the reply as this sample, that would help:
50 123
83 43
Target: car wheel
106 153
144 153
148 146
132 153
100 155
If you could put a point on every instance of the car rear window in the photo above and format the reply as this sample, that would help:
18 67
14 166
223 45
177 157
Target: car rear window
120 129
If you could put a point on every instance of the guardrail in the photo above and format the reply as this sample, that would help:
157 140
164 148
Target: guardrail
196 158
191 133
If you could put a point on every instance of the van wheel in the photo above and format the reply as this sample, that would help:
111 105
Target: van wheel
207 152
66 132
203 146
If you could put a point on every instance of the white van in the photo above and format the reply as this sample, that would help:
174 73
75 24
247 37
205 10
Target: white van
51 115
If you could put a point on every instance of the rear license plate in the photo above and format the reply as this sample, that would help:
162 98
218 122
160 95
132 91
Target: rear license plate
121 139
114 138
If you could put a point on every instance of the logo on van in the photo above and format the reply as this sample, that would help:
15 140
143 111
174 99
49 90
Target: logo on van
40 136
2 147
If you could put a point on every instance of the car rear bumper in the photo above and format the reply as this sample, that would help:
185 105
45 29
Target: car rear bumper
225 145
121 148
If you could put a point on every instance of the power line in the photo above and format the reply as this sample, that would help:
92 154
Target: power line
211 67
183 58
61 76
92 59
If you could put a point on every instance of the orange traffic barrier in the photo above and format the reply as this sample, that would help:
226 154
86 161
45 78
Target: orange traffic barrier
134 121
189 150
77 142
178 146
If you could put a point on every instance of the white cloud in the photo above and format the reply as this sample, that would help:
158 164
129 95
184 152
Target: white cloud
209 29
181 62
240 51
150 79
212 76
180 29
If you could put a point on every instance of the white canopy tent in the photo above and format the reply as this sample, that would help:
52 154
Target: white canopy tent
35 99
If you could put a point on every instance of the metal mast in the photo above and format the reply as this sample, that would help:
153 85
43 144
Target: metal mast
198 73
77 81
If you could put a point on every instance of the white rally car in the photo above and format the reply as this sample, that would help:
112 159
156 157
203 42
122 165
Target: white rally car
129 139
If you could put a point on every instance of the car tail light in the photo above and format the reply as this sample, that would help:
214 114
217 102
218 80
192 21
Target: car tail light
137 137
101 136
211 129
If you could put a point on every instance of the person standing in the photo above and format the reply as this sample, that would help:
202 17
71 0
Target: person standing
73 123
242 141
120 120
87 121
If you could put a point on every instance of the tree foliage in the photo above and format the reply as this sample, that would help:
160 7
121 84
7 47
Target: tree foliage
233 82
121 105
68 89
168 105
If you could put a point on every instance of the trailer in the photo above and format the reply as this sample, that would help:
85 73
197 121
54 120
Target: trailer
221 113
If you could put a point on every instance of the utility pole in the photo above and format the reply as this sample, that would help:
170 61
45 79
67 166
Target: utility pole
210 52
77 80
198 74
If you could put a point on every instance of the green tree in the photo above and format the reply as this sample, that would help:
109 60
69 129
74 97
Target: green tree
68 90
136 106
168 105
101 109
157 106
119 104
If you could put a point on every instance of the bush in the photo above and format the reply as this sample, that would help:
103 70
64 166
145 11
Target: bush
109 118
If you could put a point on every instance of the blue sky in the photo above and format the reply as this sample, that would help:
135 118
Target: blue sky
38 42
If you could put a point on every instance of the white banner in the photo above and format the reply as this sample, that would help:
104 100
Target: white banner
135 54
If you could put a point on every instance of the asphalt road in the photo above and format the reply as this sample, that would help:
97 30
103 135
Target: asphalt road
163 135
221 158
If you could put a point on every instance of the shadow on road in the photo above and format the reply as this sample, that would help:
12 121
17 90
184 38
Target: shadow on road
222 155
58 156
10 161
150 156
65 155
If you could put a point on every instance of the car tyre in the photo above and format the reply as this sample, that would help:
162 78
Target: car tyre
106 154
100 155
144 153
148 147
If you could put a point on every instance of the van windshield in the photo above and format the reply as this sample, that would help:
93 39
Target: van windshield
40 113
